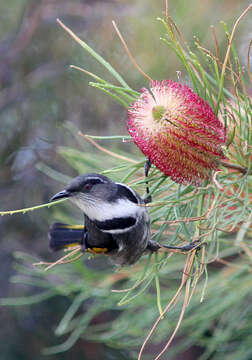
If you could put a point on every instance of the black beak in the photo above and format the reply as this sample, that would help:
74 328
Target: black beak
61 195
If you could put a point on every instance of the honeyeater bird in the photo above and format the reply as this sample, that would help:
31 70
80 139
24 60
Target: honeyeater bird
117 222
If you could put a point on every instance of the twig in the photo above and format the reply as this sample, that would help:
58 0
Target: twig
216 45
187 269
133 287
241 169
215 181
208 232
135 180
228 54
249 47
129 53
168 18
62 260
99 147
183 41
185 220
175 251
198 275
179 321
208 52
25 210
86 72
231 38
194 218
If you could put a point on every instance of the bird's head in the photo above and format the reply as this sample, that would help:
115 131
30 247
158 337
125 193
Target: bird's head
100 198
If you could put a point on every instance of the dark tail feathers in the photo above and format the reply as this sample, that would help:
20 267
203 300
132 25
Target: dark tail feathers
62 236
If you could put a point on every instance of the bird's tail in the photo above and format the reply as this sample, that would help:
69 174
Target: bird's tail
63 236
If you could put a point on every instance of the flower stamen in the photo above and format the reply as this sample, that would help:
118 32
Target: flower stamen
177 131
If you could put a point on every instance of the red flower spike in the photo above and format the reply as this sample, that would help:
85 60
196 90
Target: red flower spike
177 131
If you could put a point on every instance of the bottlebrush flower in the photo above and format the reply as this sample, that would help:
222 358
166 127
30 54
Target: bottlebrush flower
177 131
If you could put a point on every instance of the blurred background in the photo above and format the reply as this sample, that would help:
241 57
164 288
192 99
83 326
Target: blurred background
40 95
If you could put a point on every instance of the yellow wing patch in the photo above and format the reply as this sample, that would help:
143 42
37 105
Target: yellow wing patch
74 227
95 250
71 245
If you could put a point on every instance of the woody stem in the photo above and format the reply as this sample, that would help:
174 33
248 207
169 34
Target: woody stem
242 169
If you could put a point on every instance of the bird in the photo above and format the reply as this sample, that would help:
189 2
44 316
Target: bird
116 221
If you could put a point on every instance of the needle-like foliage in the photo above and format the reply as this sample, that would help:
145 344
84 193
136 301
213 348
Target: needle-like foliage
205 294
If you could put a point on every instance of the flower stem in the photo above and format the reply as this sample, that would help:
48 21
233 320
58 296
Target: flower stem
242 169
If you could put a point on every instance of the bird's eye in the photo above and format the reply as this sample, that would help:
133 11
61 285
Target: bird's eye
87 186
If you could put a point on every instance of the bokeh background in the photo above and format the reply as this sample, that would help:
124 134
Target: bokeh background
40 95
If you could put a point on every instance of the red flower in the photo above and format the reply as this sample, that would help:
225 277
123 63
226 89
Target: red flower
177 131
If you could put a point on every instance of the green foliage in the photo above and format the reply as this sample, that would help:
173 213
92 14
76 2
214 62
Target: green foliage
219 314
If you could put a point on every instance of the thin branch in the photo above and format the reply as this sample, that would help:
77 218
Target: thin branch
93 53
87 73
136 180
168 18
129 53
228 54
231 38
101 148
215 181
185 220
208 52
167 9
216 45
194 218
179 321
180 35
175 251
199 273
241 169
133 287
187 269
62 260
249 47
25 210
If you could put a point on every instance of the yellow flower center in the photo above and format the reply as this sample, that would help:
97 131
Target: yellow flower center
158 112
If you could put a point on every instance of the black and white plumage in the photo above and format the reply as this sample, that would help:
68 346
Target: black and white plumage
117 222
115 219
